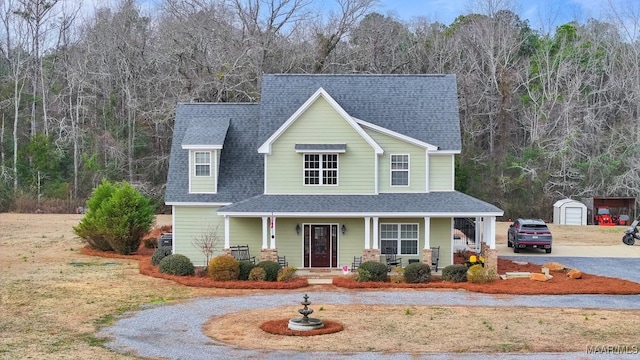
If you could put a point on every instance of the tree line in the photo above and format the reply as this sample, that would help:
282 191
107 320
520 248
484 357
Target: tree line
84 97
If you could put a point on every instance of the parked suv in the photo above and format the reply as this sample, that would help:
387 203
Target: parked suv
529 233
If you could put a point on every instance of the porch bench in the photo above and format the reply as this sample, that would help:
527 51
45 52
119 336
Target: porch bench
357 261
282 260
391 259
241 253
435 256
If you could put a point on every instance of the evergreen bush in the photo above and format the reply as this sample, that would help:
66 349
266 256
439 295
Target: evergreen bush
417 273
223 268
271 269
257 274
159 254
477 274
245 268
372 271
176 265
286 273
455 273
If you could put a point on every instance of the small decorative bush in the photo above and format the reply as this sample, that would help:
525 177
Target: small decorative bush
477 274
257 274
176 265
455 273
286 273
372 271
159 254
475 260
223 268
245 268
271 269
151 243
397 275
417 273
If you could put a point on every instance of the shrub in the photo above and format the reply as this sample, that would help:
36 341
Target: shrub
286 273
455 273
372 271
397 275
477 274
245 268
257 274
177 265
151 243
271 269
118 215
224 268
159 254
417 273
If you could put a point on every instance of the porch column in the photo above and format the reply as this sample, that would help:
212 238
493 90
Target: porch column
273 233
479 238
265 236
375 232
427 232
227 243
367 232
490 231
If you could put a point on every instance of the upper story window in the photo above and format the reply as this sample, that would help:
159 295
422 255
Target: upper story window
321 169
202 162
399 170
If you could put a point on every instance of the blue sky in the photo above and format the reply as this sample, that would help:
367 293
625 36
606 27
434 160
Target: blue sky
542 14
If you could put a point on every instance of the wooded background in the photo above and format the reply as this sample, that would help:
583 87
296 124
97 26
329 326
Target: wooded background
83 97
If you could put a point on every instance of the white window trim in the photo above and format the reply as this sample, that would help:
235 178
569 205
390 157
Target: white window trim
320 169
391 170
196 164
399 237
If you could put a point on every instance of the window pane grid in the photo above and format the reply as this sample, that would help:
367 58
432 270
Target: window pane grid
327 169
399 238
399 170
202 160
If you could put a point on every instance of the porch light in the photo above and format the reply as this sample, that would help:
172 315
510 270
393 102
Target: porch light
344 229
298 229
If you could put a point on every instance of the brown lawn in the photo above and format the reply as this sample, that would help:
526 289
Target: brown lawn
54 298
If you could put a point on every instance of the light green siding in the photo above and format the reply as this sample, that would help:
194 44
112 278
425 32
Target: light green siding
441 172
320 124
417 163
203 184
441 234
192 222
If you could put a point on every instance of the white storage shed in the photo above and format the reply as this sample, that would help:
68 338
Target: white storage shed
569 212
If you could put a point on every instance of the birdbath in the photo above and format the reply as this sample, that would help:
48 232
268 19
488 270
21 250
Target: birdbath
305 322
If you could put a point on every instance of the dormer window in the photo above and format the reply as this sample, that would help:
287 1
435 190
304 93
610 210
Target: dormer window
321 169
202 162
399 170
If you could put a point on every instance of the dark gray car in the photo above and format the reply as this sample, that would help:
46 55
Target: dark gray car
529 233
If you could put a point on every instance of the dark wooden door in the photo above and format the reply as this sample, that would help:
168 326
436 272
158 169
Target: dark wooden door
320 245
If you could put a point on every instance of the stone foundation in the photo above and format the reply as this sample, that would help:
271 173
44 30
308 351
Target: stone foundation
370 255
490 257
269 255
426 256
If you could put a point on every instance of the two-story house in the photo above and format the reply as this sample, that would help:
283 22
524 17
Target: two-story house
324 168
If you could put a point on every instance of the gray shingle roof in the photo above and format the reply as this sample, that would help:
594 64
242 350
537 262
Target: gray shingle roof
210 131
424 107
426 204
241 169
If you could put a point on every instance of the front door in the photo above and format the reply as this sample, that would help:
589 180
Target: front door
320 245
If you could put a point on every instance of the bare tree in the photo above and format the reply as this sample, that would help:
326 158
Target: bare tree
208 242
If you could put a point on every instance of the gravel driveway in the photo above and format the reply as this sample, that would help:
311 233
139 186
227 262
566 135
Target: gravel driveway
174 331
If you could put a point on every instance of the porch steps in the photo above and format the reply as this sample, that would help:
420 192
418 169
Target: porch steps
320 276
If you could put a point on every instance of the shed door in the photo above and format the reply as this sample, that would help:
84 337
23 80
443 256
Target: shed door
573 216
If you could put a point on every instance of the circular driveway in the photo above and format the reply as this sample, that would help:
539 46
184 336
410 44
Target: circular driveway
175 331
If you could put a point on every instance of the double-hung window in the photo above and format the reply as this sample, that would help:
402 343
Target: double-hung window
399 170
202 162
401 239
321 169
